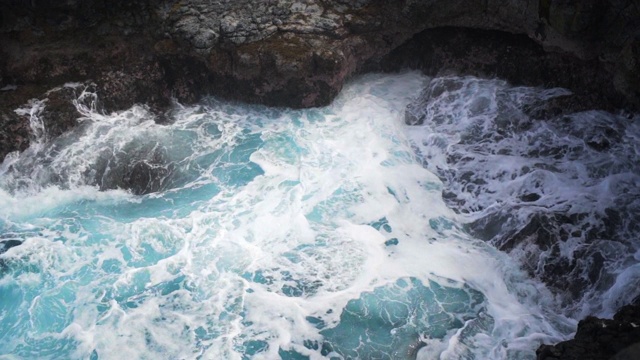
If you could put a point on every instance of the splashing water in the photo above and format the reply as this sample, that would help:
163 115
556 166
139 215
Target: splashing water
560 193
258 233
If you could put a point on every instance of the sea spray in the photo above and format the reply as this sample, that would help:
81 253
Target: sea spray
276 233
558 191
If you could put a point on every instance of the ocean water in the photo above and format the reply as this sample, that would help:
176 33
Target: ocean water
260 233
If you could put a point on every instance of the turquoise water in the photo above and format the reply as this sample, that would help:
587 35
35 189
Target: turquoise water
274 234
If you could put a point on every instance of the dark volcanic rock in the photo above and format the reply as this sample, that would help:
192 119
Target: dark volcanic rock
330 39
59 114
43 118
142 169
600 339
14 133
299 53
507 158
515 58
541 240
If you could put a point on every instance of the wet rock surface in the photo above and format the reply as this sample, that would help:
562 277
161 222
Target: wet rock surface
553 187
549 182
140 169
299 53
512 57
600 339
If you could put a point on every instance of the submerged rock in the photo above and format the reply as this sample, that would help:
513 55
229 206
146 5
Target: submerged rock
555 189
14 133
140 169
7 244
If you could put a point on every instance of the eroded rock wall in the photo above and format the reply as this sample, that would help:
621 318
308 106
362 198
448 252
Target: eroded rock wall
282 52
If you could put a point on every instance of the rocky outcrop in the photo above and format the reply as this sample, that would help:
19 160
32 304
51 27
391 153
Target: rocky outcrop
506 157
600 339
286 52
512 57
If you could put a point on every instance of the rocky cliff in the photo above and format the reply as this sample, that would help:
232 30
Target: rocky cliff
293 53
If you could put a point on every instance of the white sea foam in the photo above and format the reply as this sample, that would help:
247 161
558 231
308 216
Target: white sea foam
559 193
33 109
276 227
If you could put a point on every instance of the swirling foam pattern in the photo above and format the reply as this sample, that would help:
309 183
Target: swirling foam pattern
257 233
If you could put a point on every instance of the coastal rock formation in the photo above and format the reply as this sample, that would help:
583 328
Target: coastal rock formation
507 157
600 339
286 52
